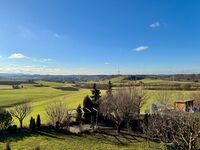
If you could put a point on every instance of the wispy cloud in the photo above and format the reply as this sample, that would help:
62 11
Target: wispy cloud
155 24
107 63
22 56
57 35
141 48
41 60
43 70
17 56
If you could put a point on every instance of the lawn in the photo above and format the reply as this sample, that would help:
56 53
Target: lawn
56 141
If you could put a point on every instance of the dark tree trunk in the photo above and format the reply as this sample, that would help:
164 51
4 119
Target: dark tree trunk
118 129
20 123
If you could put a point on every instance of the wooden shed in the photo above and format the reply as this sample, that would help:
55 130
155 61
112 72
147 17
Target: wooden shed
184 105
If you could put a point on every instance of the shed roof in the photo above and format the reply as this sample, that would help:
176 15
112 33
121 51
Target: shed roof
184 101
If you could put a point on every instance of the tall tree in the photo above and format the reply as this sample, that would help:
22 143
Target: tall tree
38 121
21 111
95 93
31 123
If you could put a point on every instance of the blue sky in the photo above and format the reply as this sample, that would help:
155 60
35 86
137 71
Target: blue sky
99 36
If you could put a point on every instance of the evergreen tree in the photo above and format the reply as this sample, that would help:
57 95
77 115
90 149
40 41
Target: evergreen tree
38 121
87 103
33 125
95 93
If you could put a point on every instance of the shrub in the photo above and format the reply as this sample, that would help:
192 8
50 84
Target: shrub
12 129
32 124
5 119
79 113
87 103
56 112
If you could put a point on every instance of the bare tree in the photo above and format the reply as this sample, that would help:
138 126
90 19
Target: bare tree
123 104
21 111
56 112
180 128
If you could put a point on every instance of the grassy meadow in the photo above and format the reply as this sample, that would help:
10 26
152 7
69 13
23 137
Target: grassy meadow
39 97
56 141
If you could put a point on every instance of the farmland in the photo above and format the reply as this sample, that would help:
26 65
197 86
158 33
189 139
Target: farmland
41 96
42 93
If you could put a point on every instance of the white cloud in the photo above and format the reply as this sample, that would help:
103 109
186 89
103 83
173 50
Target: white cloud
56 35
107 63
41 60
155 25
43 70
141 48
17 56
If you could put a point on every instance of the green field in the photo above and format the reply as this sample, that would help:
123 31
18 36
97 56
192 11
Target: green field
56 141
39 97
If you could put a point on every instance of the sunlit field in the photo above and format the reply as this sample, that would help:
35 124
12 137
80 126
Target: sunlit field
39 97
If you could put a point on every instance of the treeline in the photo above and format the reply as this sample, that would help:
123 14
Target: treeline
146 86
175 77
17 82
57 78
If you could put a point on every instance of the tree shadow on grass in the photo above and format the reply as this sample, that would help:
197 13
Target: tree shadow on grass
122 139
24 133
19 135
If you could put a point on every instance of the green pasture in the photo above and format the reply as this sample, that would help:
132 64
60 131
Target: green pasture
56 141
5 87
39 97
51 84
